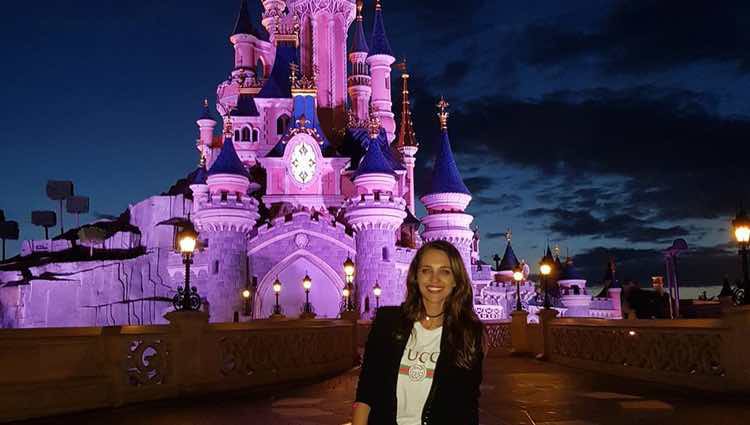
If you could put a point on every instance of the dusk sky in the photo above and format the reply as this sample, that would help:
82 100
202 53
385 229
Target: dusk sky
608 127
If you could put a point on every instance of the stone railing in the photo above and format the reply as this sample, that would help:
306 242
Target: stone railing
708 354
51 371
498 337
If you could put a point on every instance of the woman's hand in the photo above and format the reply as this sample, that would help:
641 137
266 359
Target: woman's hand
360 413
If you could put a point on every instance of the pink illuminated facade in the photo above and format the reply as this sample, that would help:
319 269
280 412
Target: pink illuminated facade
303 167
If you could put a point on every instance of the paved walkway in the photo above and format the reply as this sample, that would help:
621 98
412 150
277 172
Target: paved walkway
516 391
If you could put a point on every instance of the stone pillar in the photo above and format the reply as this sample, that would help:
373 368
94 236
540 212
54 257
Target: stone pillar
616 297
187 345
546 316
734 349
519 333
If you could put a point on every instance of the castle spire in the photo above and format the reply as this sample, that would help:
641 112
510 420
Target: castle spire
244 25
407 136
380 43
445 175
359 43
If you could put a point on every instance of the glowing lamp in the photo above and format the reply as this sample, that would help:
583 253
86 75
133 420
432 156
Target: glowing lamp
246 294
545 269
349 267
377 290
307 282
518 275
277 286
187 239
346 292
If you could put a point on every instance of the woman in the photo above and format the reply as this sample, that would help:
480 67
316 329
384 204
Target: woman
423 360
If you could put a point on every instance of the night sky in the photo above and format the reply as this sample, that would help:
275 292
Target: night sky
607 127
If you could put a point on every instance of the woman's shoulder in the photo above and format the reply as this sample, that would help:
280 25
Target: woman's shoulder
387 315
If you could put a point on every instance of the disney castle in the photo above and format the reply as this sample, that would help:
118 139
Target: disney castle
303 165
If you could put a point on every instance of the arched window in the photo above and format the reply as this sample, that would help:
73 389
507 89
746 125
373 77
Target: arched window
215 267
245 134
386 254
236 135
282 124
259 70
256 135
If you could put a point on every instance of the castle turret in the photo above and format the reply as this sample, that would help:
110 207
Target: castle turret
509 262
224 214
206 124
272 15
447 198
243 38
380 60
376 213
406 144
573 291
360 89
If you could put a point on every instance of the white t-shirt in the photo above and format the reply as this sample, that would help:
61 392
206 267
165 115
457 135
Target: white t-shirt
415 373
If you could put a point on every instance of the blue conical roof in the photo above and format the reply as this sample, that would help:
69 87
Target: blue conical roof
445 175
570 272
199 176
380 44
245 107
374 162
244 25
359 41
206 112
509 261
278 85
228 162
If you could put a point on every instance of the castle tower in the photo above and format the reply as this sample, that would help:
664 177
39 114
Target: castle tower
206 124
406 144
448 198
375 214
244 39
359 81
224 214
380 61
324 32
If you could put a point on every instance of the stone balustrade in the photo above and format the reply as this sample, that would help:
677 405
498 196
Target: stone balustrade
58 370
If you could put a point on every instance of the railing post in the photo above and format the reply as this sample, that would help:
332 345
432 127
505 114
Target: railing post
546 316
186 334
735 349
114 357
519 333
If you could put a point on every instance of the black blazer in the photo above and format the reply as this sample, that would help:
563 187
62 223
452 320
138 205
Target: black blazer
453 397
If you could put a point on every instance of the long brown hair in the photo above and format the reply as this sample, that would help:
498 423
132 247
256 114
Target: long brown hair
465 332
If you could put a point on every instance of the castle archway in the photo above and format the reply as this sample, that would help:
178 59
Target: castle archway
325 294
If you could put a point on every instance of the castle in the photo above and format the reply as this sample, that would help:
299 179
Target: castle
302 166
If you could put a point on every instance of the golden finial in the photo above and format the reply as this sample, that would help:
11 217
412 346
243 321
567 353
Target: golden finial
202 161
374 125
360 6
508 235
556 250
205 103
378 5
443 114
293 69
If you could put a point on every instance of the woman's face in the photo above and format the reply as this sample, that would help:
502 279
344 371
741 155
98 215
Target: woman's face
435 277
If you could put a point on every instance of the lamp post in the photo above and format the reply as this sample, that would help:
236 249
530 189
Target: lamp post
246 300
545 267
187 298
346 294
349 290
277 306
518 277
741 225
307 309
377 291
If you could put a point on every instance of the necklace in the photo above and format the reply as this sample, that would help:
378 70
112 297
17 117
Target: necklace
433 317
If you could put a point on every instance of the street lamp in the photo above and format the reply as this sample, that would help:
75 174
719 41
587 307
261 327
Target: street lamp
545 267
307 284
276 290
518 277
349 289
187 298
741 225
246 301
377 291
